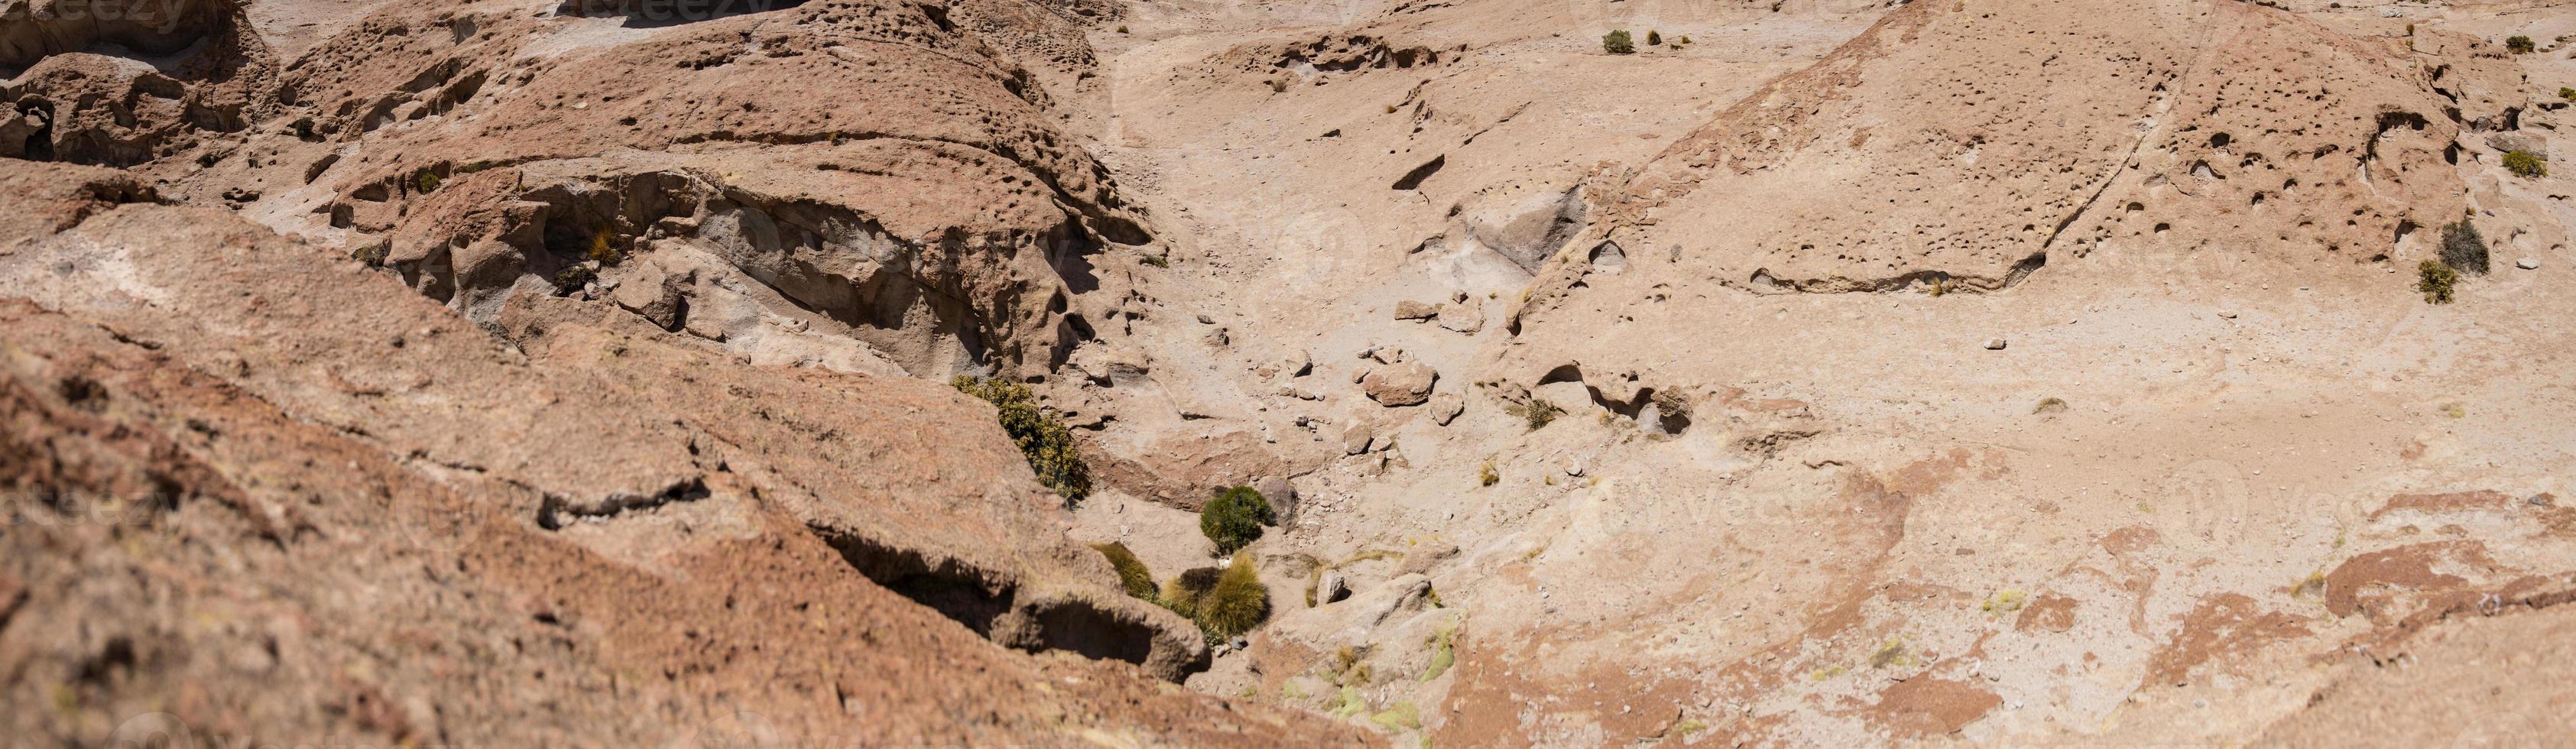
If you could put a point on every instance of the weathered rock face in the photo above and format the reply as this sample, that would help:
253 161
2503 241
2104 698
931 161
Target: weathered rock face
578 517
887 175
128 84
1955 148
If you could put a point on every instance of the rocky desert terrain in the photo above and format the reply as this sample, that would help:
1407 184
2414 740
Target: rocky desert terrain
1413 373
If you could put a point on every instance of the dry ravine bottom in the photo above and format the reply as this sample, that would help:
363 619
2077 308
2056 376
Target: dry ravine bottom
1480 373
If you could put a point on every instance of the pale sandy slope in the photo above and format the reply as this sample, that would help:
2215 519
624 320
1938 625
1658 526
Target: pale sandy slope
2226 461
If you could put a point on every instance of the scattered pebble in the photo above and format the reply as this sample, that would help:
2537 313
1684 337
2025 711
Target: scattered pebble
1994 344
2527 263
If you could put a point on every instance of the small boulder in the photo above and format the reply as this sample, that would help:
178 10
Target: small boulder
2529 263
1356 439
1281 495
1994 344
2523 142
1463 318
1332 588
1407 384
1412 310
1445 407
1297 363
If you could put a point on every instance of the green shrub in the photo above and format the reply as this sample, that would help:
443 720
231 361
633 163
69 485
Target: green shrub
426 180
1132 573
2435 280
1237 603
2520 45
2524 164
1617 43
1042 437
372 254
1234 518
2567 93
2463 248
573 278
1654 38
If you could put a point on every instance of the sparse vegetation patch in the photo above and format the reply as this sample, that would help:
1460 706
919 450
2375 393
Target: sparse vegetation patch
1132 573
2463 248
2524 164
1536 411
1042 437
1618 43
1237 602
1234 518
2435 279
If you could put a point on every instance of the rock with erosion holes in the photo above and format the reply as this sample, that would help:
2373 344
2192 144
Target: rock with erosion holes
1407 384
2528 263
1332 588
1994 344
1445 407
1412 310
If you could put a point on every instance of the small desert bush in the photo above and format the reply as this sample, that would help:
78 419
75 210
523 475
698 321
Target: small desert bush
2463 248
2435 279
2524 164
1132 573
426 180
2520 45
1042 437
603 247
373 254
1536 411
1486 475
1654 38
1617 43
573 278
1233 519
1184 593
1237 602
2567 93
